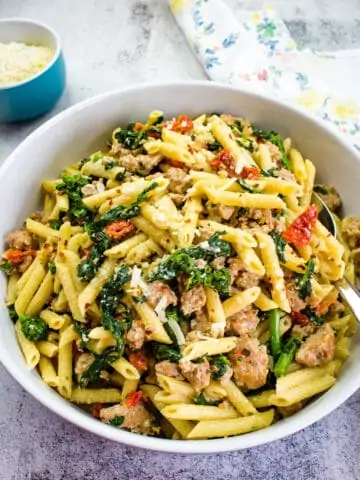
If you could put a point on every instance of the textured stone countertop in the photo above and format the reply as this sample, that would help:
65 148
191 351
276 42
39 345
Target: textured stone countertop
109 44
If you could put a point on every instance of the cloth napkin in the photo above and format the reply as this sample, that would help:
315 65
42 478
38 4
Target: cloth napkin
258 52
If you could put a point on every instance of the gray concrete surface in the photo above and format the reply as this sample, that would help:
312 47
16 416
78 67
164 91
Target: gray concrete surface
109 44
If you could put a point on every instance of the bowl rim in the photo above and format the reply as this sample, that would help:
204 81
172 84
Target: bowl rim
57 53
311 414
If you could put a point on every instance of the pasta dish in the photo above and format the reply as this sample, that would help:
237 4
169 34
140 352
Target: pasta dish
178 283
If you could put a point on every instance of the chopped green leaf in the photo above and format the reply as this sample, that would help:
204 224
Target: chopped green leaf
34 328
7 267
245 186
280 245
112 291
270 172
141 299
219 366
101 362
130 139
164 352
72 185
276 139
56 224
215 146
52 268
303 280
313 316
12 313
117 421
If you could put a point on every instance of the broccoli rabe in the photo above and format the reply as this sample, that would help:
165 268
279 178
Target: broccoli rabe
303 280
219 365
34 328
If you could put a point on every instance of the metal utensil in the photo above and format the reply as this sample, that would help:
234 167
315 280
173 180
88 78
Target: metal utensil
344 286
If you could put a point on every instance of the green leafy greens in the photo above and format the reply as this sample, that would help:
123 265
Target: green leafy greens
245 186
219 365
87 269
72 185
184 261
280 245
276 139
34 328
164 352
303 280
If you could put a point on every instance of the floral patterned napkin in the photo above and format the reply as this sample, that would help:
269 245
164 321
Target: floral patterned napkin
258 52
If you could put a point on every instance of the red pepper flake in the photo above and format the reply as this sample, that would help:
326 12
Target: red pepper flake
300 231
133 399
249 173
174 163
299 318
17 256
119 229
95 412
139 360
183 124
191 150
138 126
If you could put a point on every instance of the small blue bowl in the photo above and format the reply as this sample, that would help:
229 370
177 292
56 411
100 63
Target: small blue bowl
37 95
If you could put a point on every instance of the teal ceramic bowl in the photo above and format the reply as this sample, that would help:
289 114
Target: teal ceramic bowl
38 94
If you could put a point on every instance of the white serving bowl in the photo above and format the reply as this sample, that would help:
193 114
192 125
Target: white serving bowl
84 128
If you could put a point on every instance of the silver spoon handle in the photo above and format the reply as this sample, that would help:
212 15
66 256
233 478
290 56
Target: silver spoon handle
351 296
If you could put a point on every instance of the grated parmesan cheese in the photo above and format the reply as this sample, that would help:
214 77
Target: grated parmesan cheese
19 61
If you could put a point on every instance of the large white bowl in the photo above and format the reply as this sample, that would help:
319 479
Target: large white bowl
82 129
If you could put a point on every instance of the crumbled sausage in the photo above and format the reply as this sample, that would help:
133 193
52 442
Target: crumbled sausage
351 229
169 369
177 198
250 363
201 323
83 363
296 303
243 322
274 151
19 240
198 374
136 418
218 263
318 349
93 188
180 181
303 330
159 290
261 218
136 335
141 164
332 198
240 276
193 300
226 211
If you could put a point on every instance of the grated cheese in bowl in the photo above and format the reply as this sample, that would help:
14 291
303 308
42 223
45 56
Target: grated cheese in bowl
19 61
